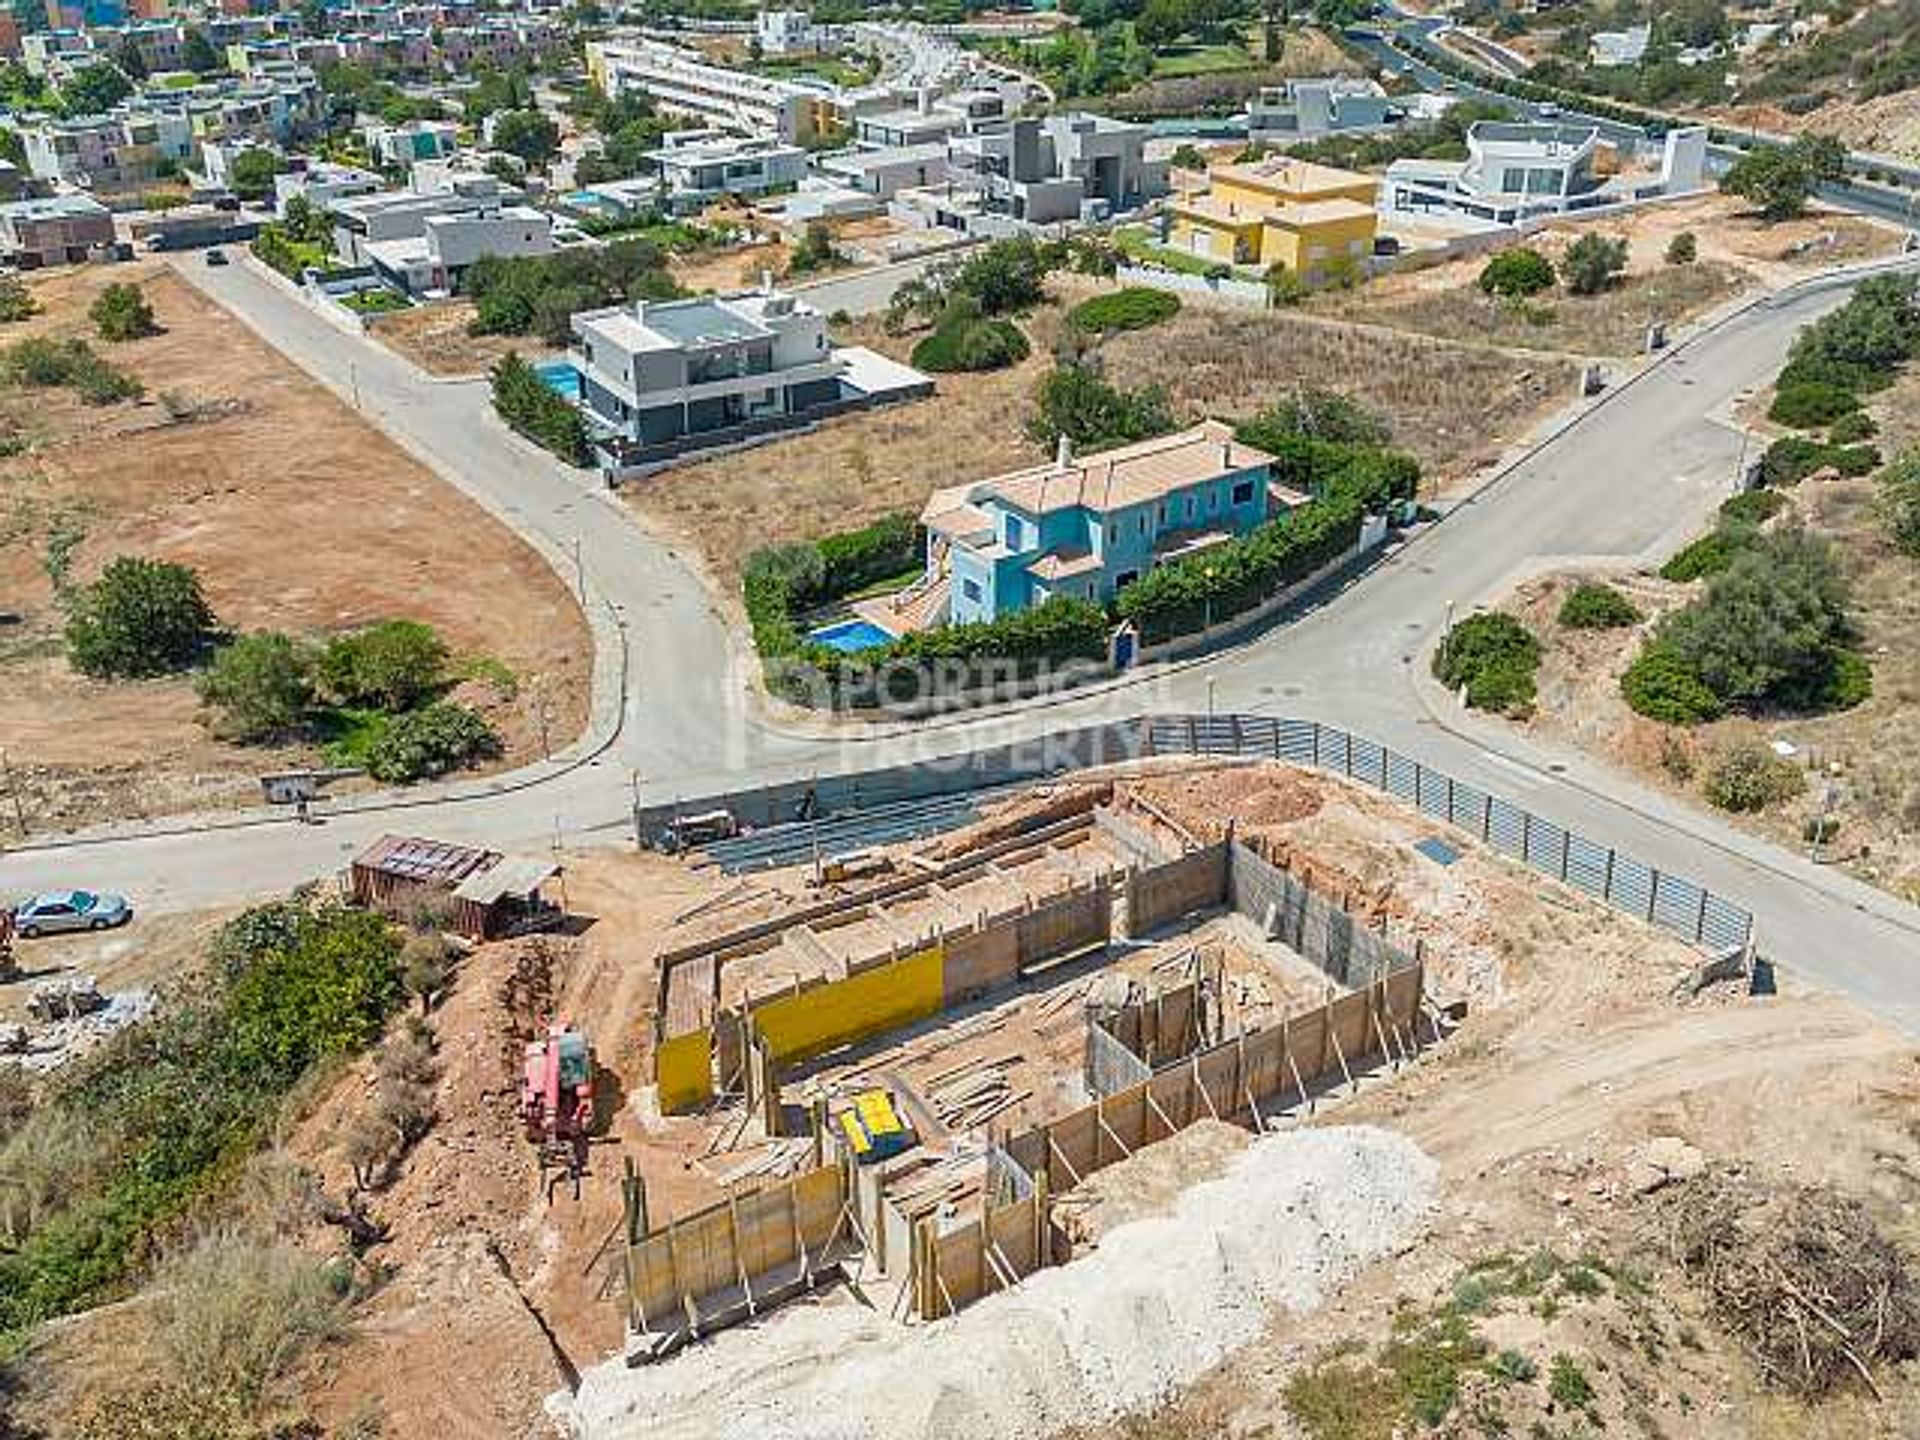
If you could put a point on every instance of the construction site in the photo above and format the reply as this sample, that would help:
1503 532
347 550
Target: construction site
906 1083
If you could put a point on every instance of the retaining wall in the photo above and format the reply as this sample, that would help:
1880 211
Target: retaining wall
1318 929
1158 894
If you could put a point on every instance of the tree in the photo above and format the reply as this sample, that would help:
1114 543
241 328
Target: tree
121 312
528 135
198 54
1076 402
1162 22
1769 625
1780 179
530 406
94 90
261 685
1284 287
1683 249
1517 272
391 666
429 742
140 618
16 301
1493 656
305 220
1593 262
253 173
1899 502
426 964
128 57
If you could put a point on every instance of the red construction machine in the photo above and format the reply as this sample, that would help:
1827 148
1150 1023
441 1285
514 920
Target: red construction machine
556 1103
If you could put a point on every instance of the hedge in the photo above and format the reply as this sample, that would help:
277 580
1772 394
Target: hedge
1660 685
1493 656
971 345
1594 606
1810 404
1134 308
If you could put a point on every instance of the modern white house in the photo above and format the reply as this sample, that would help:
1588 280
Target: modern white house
1516 172
886 172
423 237
698 172
660 378
1315 107
322 183
1612 48
792 32
416 140
1070 167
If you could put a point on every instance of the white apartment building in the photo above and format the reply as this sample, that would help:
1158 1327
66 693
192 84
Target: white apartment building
682 83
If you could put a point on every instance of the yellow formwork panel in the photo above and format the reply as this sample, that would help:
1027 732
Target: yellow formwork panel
683 1068
815 1021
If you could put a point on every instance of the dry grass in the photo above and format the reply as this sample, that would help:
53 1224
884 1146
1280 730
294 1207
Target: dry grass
435 338
850 470
1612 323
1454 406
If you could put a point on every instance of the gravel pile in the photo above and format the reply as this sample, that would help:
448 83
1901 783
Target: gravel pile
1161 1301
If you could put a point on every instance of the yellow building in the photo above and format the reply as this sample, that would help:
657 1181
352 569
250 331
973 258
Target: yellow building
1308 217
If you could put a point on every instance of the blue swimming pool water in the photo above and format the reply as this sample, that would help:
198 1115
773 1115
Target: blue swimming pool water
850 635
560 377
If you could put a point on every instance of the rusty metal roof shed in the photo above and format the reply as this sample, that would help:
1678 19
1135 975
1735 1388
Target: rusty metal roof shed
428 862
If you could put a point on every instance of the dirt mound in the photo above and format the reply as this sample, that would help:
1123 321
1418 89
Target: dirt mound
1252 796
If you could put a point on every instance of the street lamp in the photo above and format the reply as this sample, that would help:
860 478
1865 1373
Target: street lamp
1208 597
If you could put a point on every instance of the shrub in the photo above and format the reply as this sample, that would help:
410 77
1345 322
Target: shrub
1751 507
1811 404
1683 249
1660 685
1750 777
1313 413
429 742
1568 1385
1517 272
68 364
855 559
391 666
1853 460
16 301
531 407
1284 287
1592 606
1899 503
1593 262
121 312
1494 657
971 344
1851 428
261 685
140 618
1134 308
1709 555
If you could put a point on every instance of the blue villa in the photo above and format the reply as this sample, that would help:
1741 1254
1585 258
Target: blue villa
1087 528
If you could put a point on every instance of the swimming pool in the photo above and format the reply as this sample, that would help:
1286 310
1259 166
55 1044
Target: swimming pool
559 377
850 635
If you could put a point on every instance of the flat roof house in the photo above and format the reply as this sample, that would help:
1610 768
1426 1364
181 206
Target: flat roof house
58 230
660 378
432 262
682 82
698 173
1307 217
1064 167
322 183
1086 528
1516 171
1314 107
362 220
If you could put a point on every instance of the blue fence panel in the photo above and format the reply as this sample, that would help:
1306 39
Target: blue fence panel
1676 905
1470 809
1507 827
1431 791
1297 741
1726 925
1632 885
1402 776
1260 736
1369 762
1546 846
1587 865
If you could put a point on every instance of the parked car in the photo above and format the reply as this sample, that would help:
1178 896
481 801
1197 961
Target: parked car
216 257
70 910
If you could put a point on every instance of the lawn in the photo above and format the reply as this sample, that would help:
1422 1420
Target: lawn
1138 245
376 302
1176 61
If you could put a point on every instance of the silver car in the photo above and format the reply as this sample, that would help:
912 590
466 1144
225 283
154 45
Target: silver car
70 910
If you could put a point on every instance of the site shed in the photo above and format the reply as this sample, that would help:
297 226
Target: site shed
486 893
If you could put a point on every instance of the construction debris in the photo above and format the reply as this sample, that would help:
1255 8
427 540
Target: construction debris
1800 1275
76 1016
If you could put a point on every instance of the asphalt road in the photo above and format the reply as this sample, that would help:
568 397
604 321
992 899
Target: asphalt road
1631 479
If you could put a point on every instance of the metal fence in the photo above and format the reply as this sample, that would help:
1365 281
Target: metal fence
1669 901
1675 904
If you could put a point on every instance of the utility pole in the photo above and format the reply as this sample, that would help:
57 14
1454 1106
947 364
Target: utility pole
1211 682
634 779
579 574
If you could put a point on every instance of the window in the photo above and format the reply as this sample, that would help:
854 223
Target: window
1163 512
1143 524
1113 532
1125 578
1242 491
970 589
1189 507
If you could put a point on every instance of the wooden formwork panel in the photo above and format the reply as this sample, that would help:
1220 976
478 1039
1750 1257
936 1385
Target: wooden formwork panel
1159 893
962 1272
980 961
1061 926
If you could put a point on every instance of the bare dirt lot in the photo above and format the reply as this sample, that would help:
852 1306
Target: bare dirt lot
298 517
434 336
1213 360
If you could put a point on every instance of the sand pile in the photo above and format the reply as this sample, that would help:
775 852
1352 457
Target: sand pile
1161 1301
